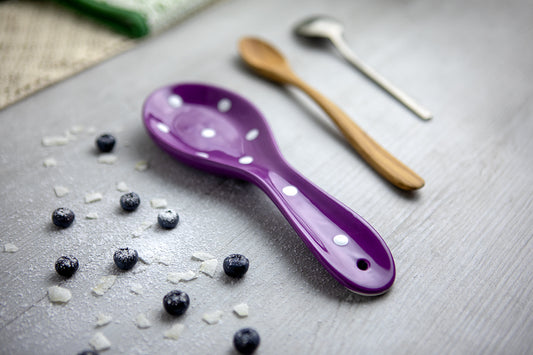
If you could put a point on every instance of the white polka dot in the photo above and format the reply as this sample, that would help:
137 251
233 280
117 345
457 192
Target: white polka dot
246 159
252 134
162 127
208 133
175 101
224 105
340 239
290 190
203 155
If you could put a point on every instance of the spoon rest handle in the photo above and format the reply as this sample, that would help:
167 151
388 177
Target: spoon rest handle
346 245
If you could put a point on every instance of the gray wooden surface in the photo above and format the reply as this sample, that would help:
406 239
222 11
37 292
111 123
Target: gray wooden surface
462 244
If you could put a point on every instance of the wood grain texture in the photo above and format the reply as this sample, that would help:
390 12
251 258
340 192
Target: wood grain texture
462 244
393 170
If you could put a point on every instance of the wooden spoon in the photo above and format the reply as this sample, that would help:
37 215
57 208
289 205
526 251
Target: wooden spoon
270 63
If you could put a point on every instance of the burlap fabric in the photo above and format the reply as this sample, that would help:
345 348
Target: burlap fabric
42 43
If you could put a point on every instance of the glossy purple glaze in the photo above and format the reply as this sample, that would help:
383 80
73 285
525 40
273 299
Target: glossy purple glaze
190 122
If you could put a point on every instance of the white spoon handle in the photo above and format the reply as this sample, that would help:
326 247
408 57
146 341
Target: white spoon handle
399 95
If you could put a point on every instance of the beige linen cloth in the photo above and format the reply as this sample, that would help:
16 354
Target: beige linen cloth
42 43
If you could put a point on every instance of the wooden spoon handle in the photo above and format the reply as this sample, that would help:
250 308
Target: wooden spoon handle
381 160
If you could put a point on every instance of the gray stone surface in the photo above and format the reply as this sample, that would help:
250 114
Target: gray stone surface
462 244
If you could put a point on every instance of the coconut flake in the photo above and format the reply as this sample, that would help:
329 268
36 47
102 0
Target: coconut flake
49 162
10 248
93 197
142 322
58 294
141 165
122 187
107 158
174 332
139 269
92 215
139 231
104 285
61 191
103 319
201 256
68 135
50 141
241 309
136 288
77 129
163 260
99 342
145 259
158 203
212 317
176 277
209 267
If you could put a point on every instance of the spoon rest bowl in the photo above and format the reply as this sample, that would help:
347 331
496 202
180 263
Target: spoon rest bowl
220 132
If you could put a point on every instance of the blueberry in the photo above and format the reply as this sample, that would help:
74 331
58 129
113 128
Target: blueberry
130 201
168 219
125 258
246 340
63 217
88 352
176 302
67 265
236 265
105 143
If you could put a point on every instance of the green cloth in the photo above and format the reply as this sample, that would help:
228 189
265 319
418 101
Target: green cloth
136 18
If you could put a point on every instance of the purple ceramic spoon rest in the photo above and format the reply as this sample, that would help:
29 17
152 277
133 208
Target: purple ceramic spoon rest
220 132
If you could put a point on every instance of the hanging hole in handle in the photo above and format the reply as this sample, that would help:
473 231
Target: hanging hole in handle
362 264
